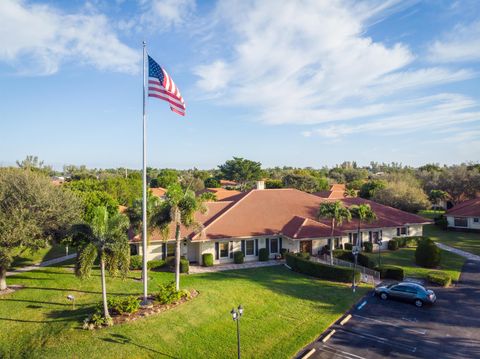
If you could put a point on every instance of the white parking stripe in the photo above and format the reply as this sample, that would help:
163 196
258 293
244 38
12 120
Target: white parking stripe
337 351
381 340
423 332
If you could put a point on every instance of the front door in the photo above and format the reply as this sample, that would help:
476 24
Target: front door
306 247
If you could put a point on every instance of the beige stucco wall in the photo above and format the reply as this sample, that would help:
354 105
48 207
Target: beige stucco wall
470 223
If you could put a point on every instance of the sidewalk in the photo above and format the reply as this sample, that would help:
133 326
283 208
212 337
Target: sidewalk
464 254
195 269
40 265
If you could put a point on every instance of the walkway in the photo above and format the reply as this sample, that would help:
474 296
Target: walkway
40 265
195 269
464 254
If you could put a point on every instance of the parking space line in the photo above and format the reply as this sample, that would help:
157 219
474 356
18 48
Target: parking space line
341 353
381 340
362 305
422 332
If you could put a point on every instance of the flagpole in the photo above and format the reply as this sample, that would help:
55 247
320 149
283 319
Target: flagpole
144 189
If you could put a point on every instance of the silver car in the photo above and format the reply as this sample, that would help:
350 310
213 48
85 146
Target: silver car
406 291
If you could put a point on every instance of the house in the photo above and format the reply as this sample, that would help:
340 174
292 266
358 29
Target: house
336 191
276 219
465 216
222 194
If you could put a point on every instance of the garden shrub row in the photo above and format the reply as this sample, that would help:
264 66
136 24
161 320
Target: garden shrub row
391 272
167 294
124 305
440 278
156 264
362 259
136 263
409 241
368 247
427 253
184 264
332 273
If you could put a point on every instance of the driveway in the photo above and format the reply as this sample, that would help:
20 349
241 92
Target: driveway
379 329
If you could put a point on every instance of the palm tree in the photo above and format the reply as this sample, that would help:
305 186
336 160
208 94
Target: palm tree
363 213
350 192
104 238
337 213
179 207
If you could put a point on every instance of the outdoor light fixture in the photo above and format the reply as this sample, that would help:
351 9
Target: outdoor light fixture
236 314
71 298
379 242
355 252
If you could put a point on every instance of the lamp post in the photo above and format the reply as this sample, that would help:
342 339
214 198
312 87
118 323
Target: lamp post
236 314
355 251
379 242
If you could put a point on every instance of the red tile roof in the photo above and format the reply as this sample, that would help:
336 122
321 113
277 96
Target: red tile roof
223 194
159 192
337 191
228 183
470 208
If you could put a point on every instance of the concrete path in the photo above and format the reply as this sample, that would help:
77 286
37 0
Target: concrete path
464 254
232 266
40 265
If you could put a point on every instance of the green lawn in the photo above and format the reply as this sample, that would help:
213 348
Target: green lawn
283 312
27 257
430 213
405 257
469 242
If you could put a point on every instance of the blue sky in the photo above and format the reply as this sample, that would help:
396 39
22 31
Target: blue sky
304 83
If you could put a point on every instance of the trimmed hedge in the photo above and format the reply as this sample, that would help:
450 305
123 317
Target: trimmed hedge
368 247
303 255
136 262
348 246
440 278
392 245
156 264
391 272
207 259
362 259
263 254
238 257
332 273
184 265
427 253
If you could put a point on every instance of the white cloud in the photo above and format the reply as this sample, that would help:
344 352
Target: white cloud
37 39
459 45
164 14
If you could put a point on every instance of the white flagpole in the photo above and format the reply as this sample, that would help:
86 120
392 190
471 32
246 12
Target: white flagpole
144 189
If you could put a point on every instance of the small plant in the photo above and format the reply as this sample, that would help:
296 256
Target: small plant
167 294
136 262
124 305
391 272
263 254
440 278
427 253
368 247
96 320
155 264
238 257
392 245
184 265
283 251
303 255
207 259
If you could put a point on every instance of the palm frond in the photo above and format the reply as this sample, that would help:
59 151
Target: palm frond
86 256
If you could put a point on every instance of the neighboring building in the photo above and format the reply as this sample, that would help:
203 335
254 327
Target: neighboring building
228 183
223 194
276 219
465 215
336 191
158 192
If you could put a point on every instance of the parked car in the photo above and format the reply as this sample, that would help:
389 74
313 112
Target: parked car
409 292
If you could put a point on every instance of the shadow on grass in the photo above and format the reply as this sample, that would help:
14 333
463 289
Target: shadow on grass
76 290
122 339
57 316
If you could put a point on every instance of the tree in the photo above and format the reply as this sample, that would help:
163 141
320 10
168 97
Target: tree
179 208
167 177
336 212
273 183
436 195
135 213
104 238
304 183
350 192
32 213
363 213
33 163
368 189
402 195
241 170
208 197
212 183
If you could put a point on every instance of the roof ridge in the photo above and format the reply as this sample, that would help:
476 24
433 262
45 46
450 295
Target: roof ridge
300 226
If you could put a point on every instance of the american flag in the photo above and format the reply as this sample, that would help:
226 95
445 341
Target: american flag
161 85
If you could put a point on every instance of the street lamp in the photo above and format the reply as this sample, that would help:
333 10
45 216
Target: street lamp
355 252
236 314
379 242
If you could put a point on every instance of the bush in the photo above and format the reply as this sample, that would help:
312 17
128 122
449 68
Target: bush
156 264
392 245
136 262
391 272
440 278
283 251
304 255
427 254
184 265
263 254
167 294
332 273
368 247
207 259
122 305
441 221
409 242
348 246
362 259
238 257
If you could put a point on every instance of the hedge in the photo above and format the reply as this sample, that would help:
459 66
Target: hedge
368 247
362 259
136 262
427 253
263 254
391 272
156 264
347 246
392 245
238 257
319 270
207 259
409 242
440 278
124 305
184 264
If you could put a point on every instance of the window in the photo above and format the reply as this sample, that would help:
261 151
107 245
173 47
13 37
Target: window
476 220
374 237
249 247
337 243
223 246
460 222
274 245
170 249
402 231
353 238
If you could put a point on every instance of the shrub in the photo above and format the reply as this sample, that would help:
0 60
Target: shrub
136 262
167 294
263 254
427 254
440 278
348 246
170 262
283 251
391 272
441 221
155 264
184 265
207 259
122 305
238 257
368 247
332 273
362 259
392 245
96 320
303 255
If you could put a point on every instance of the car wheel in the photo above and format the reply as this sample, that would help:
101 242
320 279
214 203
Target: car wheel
384 296
418 303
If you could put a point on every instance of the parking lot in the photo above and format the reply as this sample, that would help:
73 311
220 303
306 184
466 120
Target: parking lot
378 329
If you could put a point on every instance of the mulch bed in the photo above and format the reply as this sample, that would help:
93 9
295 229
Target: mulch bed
155 308
11 289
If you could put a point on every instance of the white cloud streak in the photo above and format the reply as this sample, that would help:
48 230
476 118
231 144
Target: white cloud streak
165 14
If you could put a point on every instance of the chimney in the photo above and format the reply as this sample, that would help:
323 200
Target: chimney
261 184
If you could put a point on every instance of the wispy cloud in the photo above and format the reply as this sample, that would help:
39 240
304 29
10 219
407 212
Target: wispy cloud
165 14
37 39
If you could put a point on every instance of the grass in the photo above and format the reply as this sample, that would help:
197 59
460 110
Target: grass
28 258
405 258
430 213
283 312
469 242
